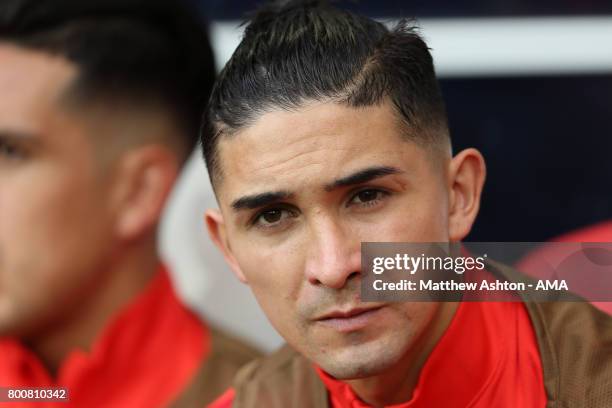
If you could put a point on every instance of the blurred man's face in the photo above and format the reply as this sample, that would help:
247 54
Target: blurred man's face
53 219
299 193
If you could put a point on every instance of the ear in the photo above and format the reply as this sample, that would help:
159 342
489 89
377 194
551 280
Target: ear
144 179
467 172
218 234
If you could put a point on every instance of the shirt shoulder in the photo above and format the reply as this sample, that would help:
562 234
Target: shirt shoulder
224 401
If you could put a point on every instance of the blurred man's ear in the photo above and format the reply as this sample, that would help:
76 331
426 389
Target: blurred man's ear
218 234
143 181
467 172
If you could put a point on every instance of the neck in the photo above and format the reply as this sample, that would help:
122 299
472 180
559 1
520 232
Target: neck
119 283
396 385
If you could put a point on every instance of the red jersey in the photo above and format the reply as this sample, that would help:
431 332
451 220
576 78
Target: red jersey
488 357
144 357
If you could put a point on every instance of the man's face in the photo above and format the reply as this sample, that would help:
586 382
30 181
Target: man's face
53 220
299 192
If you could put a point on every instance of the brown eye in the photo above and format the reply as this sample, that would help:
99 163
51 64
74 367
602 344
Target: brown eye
368 198
8 150
272 216
368 195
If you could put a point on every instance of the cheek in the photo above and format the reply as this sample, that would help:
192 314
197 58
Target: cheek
421 217
408 222
274 266
49 237
275 275
57 216
418 314
400 328
407 324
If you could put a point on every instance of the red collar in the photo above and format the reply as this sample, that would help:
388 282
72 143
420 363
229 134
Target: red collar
487 357
130 362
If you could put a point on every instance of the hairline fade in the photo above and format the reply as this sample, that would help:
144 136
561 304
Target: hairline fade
296 52
135 51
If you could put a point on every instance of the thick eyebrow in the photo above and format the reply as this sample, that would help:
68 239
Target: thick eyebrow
15 136
259 200
363 176
262 199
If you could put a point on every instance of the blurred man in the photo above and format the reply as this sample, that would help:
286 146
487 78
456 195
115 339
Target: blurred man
326 130
99 108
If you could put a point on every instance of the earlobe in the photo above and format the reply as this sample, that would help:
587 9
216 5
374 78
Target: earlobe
218 234
467 175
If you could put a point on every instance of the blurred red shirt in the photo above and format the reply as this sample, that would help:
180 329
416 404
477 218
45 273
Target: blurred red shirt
531 262
145 357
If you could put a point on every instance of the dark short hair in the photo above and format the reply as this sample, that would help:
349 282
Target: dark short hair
293 52
137 50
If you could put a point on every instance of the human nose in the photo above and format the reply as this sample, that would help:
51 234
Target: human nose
334 255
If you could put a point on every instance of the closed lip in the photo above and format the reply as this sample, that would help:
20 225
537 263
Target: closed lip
348 313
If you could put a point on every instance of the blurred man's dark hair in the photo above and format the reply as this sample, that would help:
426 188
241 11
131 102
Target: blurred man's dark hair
136 51
295 52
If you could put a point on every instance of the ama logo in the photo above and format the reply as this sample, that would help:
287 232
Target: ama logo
552 284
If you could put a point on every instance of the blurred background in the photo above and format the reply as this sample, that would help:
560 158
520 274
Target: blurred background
527 83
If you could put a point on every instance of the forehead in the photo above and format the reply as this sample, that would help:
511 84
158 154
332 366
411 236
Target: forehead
308 147
31 82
